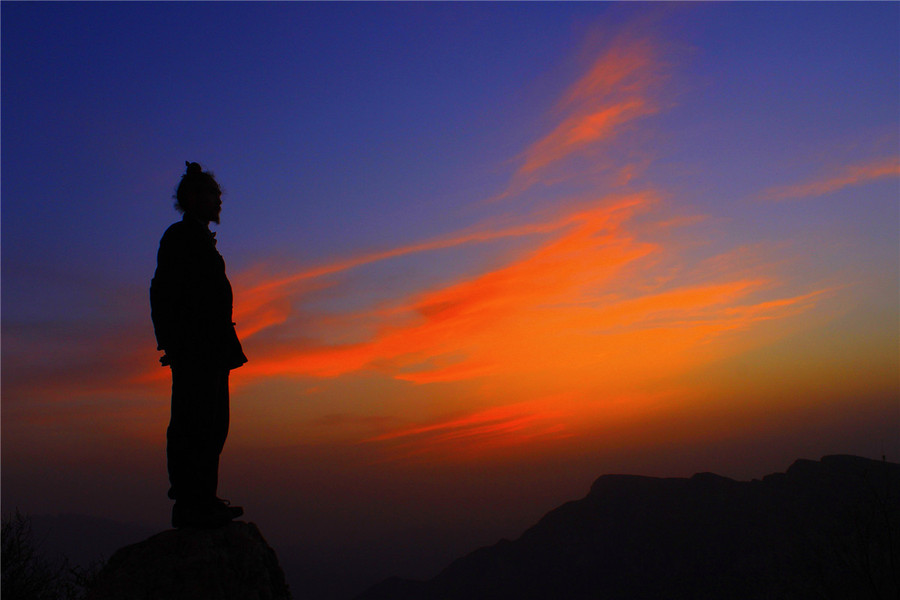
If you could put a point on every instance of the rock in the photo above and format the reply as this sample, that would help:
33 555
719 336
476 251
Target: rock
227 563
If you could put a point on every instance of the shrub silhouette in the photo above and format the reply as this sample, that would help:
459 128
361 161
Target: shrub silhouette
28 575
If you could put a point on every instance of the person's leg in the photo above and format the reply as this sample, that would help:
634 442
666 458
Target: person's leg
196 436
217 414
181 436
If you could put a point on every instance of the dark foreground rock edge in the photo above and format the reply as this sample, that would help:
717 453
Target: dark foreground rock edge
233 562
822 529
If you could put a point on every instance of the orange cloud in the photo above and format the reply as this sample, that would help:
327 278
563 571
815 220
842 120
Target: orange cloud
491 428
846 177
581 130
585 252
618 89
626 65
263 304
573 311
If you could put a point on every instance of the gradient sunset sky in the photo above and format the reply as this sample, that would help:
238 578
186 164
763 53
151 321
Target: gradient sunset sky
482 252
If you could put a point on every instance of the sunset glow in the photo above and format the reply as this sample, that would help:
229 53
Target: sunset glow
481 253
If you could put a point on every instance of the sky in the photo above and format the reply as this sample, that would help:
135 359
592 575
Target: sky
482 254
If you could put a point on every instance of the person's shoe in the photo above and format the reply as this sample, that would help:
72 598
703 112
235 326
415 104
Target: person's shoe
223 507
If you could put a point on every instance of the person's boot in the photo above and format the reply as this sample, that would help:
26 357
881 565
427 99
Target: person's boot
224 508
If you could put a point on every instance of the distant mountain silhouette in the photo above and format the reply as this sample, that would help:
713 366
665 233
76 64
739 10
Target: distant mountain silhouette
824 529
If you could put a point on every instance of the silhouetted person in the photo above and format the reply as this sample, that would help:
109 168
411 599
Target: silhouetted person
191 305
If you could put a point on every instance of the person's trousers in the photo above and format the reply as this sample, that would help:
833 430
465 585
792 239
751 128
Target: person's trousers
196 433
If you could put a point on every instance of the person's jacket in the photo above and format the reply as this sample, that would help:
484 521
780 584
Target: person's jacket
191 300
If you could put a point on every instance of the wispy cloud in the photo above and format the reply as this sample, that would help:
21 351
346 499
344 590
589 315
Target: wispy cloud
620 87
264 300
581 301
477 431
840 178
584 251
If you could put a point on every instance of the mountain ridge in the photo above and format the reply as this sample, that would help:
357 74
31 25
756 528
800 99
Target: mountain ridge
820 529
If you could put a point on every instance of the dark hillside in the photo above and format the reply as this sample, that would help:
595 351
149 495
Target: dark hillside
823 529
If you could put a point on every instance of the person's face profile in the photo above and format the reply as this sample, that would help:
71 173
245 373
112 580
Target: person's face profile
207 204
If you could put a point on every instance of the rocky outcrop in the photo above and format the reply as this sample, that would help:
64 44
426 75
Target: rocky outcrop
823 529
233 562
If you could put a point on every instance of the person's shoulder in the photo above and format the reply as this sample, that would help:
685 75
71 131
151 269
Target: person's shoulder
174 229
177 233
183 229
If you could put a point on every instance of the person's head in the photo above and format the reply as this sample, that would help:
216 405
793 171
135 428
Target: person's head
198 194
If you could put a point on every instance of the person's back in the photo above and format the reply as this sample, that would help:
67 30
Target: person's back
191 298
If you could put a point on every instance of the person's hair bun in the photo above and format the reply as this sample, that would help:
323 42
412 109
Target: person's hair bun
193 168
